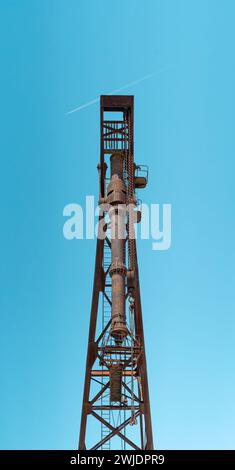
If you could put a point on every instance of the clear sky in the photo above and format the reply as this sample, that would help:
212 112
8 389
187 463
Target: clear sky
55 56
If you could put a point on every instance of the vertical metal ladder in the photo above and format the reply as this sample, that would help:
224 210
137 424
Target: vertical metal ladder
106 315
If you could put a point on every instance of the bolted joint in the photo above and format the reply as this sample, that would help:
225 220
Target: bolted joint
118 268
88 408
118 328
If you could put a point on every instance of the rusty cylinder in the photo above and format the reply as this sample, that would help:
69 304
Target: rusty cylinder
115 383
116 162
116 197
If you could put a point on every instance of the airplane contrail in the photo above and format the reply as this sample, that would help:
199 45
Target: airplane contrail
128 85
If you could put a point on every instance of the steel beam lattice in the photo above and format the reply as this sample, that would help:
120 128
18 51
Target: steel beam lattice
116 397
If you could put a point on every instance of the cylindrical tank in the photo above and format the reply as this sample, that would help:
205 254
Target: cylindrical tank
116 197
116 161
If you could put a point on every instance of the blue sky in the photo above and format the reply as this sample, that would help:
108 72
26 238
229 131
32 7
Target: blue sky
55 56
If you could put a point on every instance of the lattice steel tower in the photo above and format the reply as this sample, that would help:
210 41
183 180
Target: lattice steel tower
116 409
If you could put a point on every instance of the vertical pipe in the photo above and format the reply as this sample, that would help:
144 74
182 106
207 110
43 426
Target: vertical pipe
117 200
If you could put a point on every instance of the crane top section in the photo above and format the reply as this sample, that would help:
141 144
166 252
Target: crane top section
117 102
117 136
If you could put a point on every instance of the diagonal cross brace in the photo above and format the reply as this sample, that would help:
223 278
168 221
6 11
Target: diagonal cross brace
98 395
115 431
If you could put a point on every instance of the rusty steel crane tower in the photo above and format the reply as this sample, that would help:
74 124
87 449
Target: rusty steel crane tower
116 396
